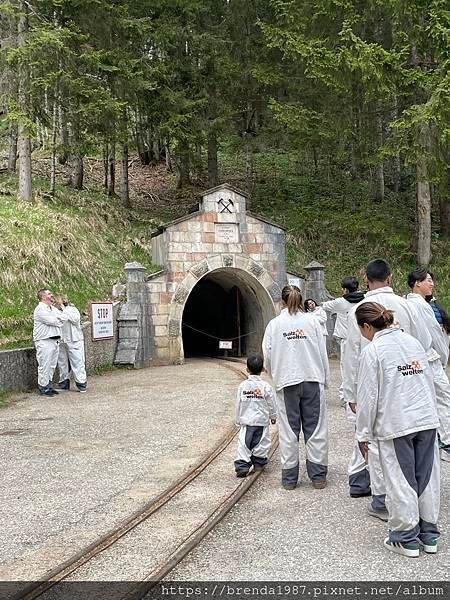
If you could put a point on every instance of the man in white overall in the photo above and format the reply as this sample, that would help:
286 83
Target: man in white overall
378 278
47 323
421 283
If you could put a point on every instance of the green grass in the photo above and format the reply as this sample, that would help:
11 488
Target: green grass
76 244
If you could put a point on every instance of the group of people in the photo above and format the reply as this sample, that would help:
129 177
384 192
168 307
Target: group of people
58 338
394 352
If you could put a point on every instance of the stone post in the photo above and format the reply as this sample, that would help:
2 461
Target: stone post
315 288
134 321
315 282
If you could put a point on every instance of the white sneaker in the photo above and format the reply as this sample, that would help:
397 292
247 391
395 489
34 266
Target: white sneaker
430 546
411 550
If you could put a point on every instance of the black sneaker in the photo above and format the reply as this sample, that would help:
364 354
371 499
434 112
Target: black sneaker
241 473
81 387
63 386
360 494
47 391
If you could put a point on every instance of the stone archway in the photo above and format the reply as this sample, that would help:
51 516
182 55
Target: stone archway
239 288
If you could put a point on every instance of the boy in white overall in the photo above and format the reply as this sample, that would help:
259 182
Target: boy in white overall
397 413
255 406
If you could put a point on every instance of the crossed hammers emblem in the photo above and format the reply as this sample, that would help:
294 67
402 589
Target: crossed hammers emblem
226 205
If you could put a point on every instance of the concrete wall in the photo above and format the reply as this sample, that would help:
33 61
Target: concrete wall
18 367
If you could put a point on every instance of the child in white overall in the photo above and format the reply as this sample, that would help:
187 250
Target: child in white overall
397 413
255 406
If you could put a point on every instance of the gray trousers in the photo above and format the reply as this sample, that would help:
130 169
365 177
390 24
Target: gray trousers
411 473
302 407
253 447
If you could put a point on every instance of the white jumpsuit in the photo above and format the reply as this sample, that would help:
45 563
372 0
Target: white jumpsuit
406 318
296 357
47 323
341 307
438 358
397 413
255 406
71 348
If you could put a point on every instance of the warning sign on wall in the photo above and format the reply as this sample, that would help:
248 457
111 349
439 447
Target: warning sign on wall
102 320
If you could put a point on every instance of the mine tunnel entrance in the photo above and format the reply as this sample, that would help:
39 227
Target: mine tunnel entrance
229 305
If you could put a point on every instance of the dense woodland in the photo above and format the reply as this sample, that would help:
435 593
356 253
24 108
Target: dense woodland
362 87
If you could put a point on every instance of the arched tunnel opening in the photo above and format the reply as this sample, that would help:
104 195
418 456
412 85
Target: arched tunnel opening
226 305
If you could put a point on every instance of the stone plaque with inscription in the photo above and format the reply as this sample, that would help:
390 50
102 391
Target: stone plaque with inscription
227 233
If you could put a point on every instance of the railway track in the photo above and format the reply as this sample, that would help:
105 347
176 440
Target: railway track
188 510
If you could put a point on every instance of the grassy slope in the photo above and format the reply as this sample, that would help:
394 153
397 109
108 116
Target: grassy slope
79 243
76 245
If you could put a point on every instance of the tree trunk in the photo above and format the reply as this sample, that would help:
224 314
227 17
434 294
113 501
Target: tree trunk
112 169
423 214
445 205
24 141
168 157
124 187
396 162
12 158
213 170
183 164
63 137
379 193
53 154
105 165
77 171
248 171
156 151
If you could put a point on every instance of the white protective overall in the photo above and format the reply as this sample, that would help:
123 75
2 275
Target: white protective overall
295 356
341 307
438 358
255 406
397 413
405 318
71 348
47 323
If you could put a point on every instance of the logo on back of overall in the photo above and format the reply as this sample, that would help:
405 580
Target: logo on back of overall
414 368
255 394
295 334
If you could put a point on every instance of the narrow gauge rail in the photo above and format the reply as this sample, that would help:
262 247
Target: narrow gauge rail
190 541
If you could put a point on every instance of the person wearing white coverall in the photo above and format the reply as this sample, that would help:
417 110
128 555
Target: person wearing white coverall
71 348
341 307
378 278
295 356
47 323
421 283
255 406
397 413
312 307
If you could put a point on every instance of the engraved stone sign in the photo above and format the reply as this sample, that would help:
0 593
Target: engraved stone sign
227 233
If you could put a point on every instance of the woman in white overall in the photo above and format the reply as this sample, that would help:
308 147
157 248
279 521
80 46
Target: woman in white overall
296 358
397 412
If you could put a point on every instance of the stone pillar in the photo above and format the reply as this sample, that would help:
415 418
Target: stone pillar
315 288
315 282
134 321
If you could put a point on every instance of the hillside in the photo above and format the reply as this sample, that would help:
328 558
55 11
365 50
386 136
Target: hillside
79 242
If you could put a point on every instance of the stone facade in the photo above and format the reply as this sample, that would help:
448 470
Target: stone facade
222 238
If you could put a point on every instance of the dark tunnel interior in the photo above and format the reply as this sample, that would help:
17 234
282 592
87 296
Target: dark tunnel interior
213 312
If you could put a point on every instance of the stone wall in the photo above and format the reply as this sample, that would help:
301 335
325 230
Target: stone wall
18 367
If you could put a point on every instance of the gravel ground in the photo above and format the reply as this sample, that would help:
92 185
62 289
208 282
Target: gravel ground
308 534
75 465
